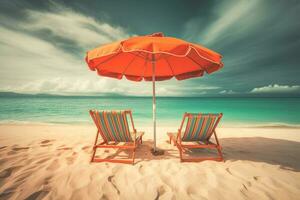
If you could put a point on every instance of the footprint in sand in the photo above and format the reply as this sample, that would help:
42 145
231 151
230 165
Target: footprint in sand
47 181
72 158
228 170
141 170
11 153
25 173
160 191
6 194
59 153
104 197
42 160
110 179
21 177
244 190
46 143
64 148
4 160
191 190
86 149
3 147
17 150
37 195
20 148
6 173
245 187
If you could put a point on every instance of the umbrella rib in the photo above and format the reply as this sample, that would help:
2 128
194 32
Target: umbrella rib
134 57
170 66
145 64
201 68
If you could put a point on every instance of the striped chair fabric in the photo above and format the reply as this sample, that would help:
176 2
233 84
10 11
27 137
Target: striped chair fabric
199 127
113 125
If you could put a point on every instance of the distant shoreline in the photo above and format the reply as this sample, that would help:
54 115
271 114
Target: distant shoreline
114 95
265 126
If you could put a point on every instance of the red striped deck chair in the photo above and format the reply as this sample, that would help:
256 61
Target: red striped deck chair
113 128
198 131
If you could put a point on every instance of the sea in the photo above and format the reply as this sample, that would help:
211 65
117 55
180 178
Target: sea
237 112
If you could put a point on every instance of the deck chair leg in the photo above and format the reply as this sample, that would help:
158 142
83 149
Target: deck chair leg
96 139
219 147
94 148
220 153
180 152
94 152
133 156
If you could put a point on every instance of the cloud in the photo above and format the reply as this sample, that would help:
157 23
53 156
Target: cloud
277 89
23 55
256 51
229 14
224 18
227 92
63 85
102 85
30 62
34 63
65 23
42 49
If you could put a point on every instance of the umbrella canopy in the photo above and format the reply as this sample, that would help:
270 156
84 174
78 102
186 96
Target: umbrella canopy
153 58
132 58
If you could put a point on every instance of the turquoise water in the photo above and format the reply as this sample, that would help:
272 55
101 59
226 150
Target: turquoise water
237 111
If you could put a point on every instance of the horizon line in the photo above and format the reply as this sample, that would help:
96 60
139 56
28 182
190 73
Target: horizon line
15 94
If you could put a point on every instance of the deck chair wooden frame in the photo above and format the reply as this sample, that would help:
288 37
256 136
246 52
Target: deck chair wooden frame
135 138
206 143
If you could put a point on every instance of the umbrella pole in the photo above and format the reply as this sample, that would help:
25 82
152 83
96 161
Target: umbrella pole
154 102
154 150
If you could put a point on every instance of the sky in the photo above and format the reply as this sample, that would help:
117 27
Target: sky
43 45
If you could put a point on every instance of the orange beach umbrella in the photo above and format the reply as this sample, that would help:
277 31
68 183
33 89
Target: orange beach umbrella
153 58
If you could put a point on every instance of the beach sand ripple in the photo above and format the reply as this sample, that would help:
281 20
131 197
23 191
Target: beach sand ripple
52 162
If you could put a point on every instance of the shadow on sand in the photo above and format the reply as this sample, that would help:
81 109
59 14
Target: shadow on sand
258 149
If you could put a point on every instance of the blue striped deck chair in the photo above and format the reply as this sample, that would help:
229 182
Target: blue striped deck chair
199 128
113 129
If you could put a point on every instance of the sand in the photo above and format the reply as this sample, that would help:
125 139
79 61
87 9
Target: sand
52 162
